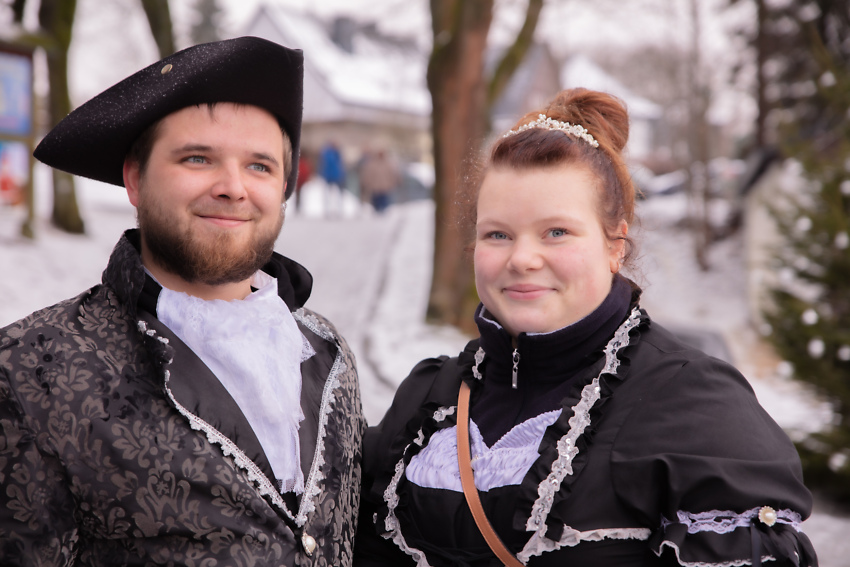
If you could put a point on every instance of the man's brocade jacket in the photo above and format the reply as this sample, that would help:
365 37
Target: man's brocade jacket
118 446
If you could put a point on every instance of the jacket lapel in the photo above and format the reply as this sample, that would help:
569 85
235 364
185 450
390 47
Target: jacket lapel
314 374
196 388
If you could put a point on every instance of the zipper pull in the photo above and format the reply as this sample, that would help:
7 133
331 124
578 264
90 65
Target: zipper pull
516 367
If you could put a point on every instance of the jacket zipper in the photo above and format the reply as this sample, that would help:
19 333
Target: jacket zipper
515 368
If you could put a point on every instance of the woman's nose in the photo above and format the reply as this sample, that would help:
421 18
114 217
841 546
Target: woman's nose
525 255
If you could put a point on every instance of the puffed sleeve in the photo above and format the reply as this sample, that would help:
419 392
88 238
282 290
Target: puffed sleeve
701 461
36 510
383 446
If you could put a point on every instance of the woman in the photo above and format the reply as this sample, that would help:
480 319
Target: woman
597 438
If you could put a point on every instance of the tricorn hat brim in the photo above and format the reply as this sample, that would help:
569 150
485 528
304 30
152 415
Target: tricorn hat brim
93 140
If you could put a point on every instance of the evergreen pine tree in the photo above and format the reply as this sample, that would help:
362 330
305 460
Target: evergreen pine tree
810 318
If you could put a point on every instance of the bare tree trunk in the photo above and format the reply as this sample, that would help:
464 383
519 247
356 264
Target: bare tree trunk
461 98
513 57
159 18
698 178
56 18
458 95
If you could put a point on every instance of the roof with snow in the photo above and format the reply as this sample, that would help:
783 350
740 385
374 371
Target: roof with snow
362 68
580 71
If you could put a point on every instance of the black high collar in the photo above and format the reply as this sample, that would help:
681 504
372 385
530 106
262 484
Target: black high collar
552 357
125 274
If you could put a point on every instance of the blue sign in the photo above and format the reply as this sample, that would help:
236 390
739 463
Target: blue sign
15 94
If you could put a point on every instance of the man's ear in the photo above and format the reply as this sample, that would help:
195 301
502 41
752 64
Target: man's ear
131 180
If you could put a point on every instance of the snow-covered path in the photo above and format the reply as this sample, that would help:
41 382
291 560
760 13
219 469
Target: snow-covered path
371 279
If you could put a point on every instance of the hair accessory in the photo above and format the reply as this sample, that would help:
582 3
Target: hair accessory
547 123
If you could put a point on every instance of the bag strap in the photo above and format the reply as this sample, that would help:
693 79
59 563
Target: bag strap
467 480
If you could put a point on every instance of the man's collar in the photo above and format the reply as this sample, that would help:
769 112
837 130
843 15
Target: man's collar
126 275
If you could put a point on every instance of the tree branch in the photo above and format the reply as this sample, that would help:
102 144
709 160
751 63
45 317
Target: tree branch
515 54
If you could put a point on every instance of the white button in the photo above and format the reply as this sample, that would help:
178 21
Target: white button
309 544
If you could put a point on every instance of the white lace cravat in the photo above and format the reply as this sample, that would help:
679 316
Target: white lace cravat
255 349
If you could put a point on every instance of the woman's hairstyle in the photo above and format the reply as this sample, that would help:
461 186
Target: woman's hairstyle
579 127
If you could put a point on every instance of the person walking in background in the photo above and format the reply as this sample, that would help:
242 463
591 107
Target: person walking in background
575 430
379 178
331 168
305 172
188 410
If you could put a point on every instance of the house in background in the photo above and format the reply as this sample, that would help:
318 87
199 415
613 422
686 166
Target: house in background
534 84
362 88
645 115
365 89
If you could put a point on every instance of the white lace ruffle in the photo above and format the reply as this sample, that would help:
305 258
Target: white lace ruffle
572 537
730 563
539 543
562 466
504 464
725 521
391 523
255 349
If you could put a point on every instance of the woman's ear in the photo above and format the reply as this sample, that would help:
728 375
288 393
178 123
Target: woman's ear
617 247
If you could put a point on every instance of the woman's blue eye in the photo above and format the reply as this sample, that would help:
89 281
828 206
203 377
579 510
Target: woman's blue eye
556 232
195 159
498 235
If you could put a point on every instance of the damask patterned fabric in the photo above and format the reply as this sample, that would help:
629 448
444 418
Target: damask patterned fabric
118 446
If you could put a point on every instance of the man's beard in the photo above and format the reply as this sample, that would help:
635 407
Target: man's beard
213 260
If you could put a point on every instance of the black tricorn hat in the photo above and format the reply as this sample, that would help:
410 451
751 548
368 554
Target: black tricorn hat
93 140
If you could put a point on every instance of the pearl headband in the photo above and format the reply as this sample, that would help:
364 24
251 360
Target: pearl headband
546 123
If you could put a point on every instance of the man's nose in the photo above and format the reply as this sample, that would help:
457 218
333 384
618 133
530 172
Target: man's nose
230 183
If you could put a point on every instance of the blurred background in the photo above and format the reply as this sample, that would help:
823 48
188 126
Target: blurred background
739 143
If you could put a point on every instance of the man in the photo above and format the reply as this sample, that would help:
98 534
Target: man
188 410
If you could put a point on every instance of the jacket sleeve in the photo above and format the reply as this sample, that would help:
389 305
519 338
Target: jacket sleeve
36 509
383 446
702 462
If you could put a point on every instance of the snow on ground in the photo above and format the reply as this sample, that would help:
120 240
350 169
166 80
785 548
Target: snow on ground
372 274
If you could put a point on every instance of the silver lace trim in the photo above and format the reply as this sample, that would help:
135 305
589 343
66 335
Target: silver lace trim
391 523
731 563
572 538
312 322
230 449
479 358
265 487
313 486
539 543
442 413
725 521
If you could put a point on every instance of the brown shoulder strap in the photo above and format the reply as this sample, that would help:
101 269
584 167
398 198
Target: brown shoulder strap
468 482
